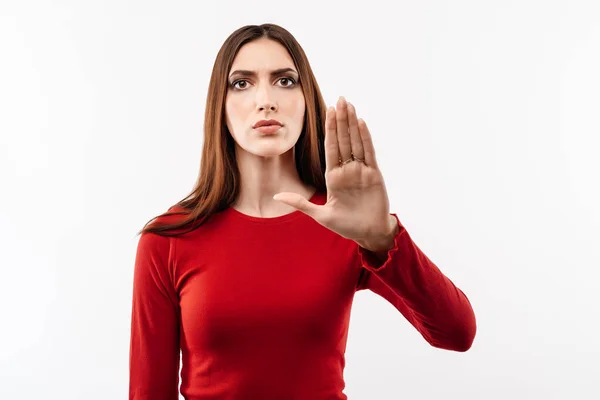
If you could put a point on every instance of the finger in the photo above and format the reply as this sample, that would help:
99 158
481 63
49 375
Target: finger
355 139
343 135
367 142
300 203
332 153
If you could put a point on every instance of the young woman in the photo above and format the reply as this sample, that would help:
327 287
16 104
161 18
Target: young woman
252 276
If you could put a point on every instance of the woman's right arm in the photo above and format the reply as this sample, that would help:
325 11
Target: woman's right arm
154 342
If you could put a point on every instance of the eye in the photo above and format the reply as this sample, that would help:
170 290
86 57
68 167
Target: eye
292 84
236 82
289 79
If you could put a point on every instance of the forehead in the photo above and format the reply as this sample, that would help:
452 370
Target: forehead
263 56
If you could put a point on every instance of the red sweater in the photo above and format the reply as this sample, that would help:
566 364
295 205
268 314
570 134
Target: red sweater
259 307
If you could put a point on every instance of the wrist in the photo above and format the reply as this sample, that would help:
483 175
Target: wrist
384 243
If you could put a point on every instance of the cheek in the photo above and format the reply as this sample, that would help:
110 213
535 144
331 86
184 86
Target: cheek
232 118
299 107
233 112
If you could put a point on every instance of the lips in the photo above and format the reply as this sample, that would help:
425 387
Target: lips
266 122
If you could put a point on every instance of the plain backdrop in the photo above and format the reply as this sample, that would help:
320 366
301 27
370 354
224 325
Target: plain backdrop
485 118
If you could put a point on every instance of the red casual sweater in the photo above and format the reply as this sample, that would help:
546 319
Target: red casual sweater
259 307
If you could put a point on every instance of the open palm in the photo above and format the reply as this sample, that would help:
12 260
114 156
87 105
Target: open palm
357 204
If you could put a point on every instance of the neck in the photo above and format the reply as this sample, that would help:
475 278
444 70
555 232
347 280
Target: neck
262 177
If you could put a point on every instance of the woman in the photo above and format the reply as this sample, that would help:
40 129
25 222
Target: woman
252 275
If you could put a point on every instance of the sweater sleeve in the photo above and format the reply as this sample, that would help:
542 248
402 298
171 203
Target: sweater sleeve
415 286
154 342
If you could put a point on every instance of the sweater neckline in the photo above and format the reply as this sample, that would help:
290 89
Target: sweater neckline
271 220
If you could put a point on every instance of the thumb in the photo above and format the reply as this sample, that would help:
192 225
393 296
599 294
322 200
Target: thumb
298 202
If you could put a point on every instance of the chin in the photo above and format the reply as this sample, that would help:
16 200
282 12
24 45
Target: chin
277 148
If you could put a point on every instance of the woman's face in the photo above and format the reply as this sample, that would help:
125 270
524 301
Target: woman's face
262 95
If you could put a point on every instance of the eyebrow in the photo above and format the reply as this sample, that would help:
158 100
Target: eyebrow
244 72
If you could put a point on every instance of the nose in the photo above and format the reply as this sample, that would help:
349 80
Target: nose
267 106
264 99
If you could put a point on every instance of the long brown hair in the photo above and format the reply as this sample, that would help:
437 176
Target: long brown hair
218 181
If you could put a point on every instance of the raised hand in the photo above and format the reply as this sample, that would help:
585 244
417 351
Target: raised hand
357 206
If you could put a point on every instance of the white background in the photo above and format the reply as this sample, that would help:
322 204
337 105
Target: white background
485 117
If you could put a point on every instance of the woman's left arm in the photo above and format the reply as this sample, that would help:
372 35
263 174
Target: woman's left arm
357 208
400 272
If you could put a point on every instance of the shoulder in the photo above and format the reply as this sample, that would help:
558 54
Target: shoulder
172 215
